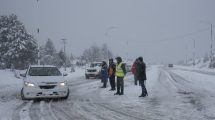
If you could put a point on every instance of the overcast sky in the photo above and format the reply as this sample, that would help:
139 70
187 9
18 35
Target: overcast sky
158 30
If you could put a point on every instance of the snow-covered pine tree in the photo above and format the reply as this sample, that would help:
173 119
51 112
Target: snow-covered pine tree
50 48
48 53
62 58
17 47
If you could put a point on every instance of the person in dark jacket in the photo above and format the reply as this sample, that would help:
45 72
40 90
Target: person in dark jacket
120 74
134 71
141 74
111 74
104 74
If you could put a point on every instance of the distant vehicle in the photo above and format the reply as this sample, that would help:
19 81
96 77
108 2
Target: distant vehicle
128 68
212 64
44 81
170 65
94 70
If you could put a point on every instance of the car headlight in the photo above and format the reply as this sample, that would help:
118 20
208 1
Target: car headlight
29 84
63 84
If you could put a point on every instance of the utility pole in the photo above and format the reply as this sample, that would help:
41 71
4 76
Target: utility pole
106 39
127 50
64 50
186 55
194 45
38 45
211 42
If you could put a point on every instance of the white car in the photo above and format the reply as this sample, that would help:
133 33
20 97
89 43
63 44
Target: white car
94 70
44 81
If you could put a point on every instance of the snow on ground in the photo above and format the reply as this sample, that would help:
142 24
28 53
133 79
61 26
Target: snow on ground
9 93
202 85
178 93
8 78
204 70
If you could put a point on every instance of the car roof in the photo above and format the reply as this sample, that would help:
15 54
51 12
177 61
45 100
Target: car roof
96 62
42 66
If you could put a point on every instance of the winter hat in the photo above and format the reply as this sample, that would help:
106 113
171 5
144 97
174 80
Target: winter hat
119 59
103 63
137 60
111 60
140 59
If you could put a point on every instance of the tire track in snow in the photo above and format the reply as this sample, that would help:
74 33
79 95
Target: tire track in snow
40 111
35 113
192 95
120 112
98 112
63 112
161 92
165 97
22 111
15 114
93 109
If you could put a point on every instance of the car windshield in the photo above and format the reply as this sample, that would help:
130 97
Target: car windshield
44 71
95 64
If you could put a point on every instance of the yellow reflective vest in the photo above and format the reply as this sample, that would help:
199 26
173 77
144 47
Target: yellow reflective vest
119 70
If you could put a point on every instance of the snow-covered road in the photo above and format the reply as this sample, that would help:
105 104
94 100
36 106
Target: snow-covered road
174 94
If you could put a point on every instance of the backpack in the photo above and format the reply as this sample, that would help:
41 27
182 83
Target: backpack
110 71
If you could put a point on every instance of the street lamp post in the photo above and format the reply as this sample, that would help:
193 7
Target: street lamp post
194 45
106 38
211 34
64 50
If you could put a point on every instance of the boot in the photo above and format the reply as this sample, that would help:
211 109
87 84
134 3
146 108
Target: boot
142 95
117 93
122 93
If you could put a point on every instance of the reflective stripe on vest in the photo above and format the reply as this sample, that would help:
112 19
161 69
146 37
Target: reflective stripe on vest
119 71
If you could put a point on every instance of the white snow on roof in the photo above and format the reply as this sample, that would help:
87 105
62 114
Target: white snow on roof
42 66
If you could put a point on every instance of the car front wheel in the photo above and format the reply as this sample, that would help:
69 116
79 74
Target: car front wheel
66 97
86 76
22 95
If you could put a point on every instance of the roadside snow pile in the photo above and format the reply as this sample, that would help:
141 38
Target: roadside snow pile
78 72
195 69
201 66
10 87
8 78
200 63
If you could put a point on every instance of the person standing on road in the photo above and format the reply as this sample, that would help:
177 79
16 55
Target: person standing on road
104 74
134 71
141 74
111 73
120 73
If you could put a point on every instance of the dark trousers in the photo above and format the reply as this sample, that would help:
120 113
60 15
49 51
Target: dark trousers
120 85
135 80
112 82
104 82
144 91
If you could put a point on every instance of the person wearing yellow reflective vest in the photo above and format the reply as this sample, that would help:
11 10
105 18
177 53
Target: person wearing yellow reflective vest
120 73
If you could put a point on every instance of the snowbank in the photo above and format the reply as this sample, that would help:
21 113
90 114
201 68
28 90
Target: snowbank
8 78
